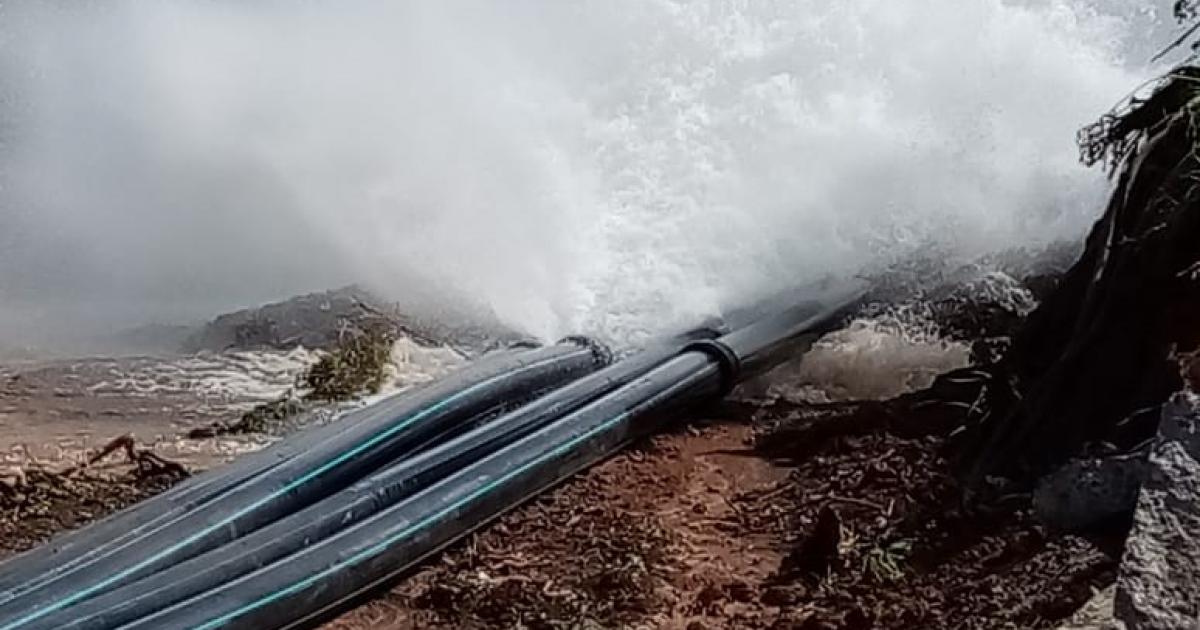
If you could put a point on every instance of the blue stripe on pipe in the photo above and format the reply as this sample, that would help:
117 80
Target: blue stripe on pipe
337 461
375 550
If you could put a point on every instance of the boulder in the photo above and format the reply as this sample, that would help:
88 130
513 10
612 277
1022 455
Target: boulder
1158 586
319 321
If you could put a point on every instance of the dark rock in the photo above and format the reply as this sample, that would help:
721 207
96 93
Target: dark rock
312 321
985 311
820 550
1158 587
982 303
1087 492
319 320
1041 285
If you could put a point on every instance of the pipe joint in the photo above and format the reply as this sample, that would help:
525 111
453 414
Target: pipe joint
727 361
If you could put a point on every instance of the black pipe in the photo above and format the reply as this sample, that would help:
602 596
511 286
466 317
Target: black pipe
359 501
383 432
40 564
323 577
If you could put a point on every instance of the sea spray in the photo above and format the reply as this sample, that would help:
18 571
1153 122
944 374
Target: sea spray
616 167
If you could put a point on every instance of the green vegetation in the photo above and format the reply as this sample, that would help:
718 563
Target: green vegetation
886 563
264 416
356 366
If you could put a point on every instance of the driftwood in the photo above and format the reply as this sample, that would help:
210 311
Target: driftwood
148 464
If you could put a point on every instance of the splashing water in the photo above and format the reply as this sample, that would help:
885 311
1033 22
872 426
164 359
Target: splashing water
616 167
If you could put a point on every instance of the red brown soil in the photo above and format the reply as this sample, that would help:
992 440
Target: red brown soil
699 528
693 529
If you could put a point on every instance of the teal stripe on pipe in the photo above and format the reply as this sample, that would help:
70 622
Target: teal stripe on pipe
337 461
370 552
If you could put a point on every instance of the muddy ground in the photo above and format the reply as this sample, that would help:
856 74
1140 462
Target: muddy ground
717 523
730 519
56 414
698 528
53 412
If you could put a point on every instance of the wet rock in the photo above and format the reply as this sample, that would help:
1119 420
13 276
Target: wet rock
980 303
1158 587
1088 492
986 311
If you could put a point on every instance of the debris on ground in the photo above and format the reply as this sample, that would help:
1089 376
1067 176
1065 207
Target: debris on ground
37 502
146 463
912 554
699 528
260 419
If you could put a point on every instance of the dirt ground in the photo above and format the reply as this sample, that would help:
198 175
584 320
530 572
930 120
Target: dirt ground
47 503
55 414
694 529
735 520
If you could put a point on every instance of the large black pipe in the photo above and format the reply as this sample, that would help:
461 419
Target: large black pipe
66 551
359 501
323 577
40 564
382 433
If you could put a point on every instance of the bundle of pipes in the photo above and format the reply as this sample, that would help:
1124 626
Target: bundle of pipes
293 533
